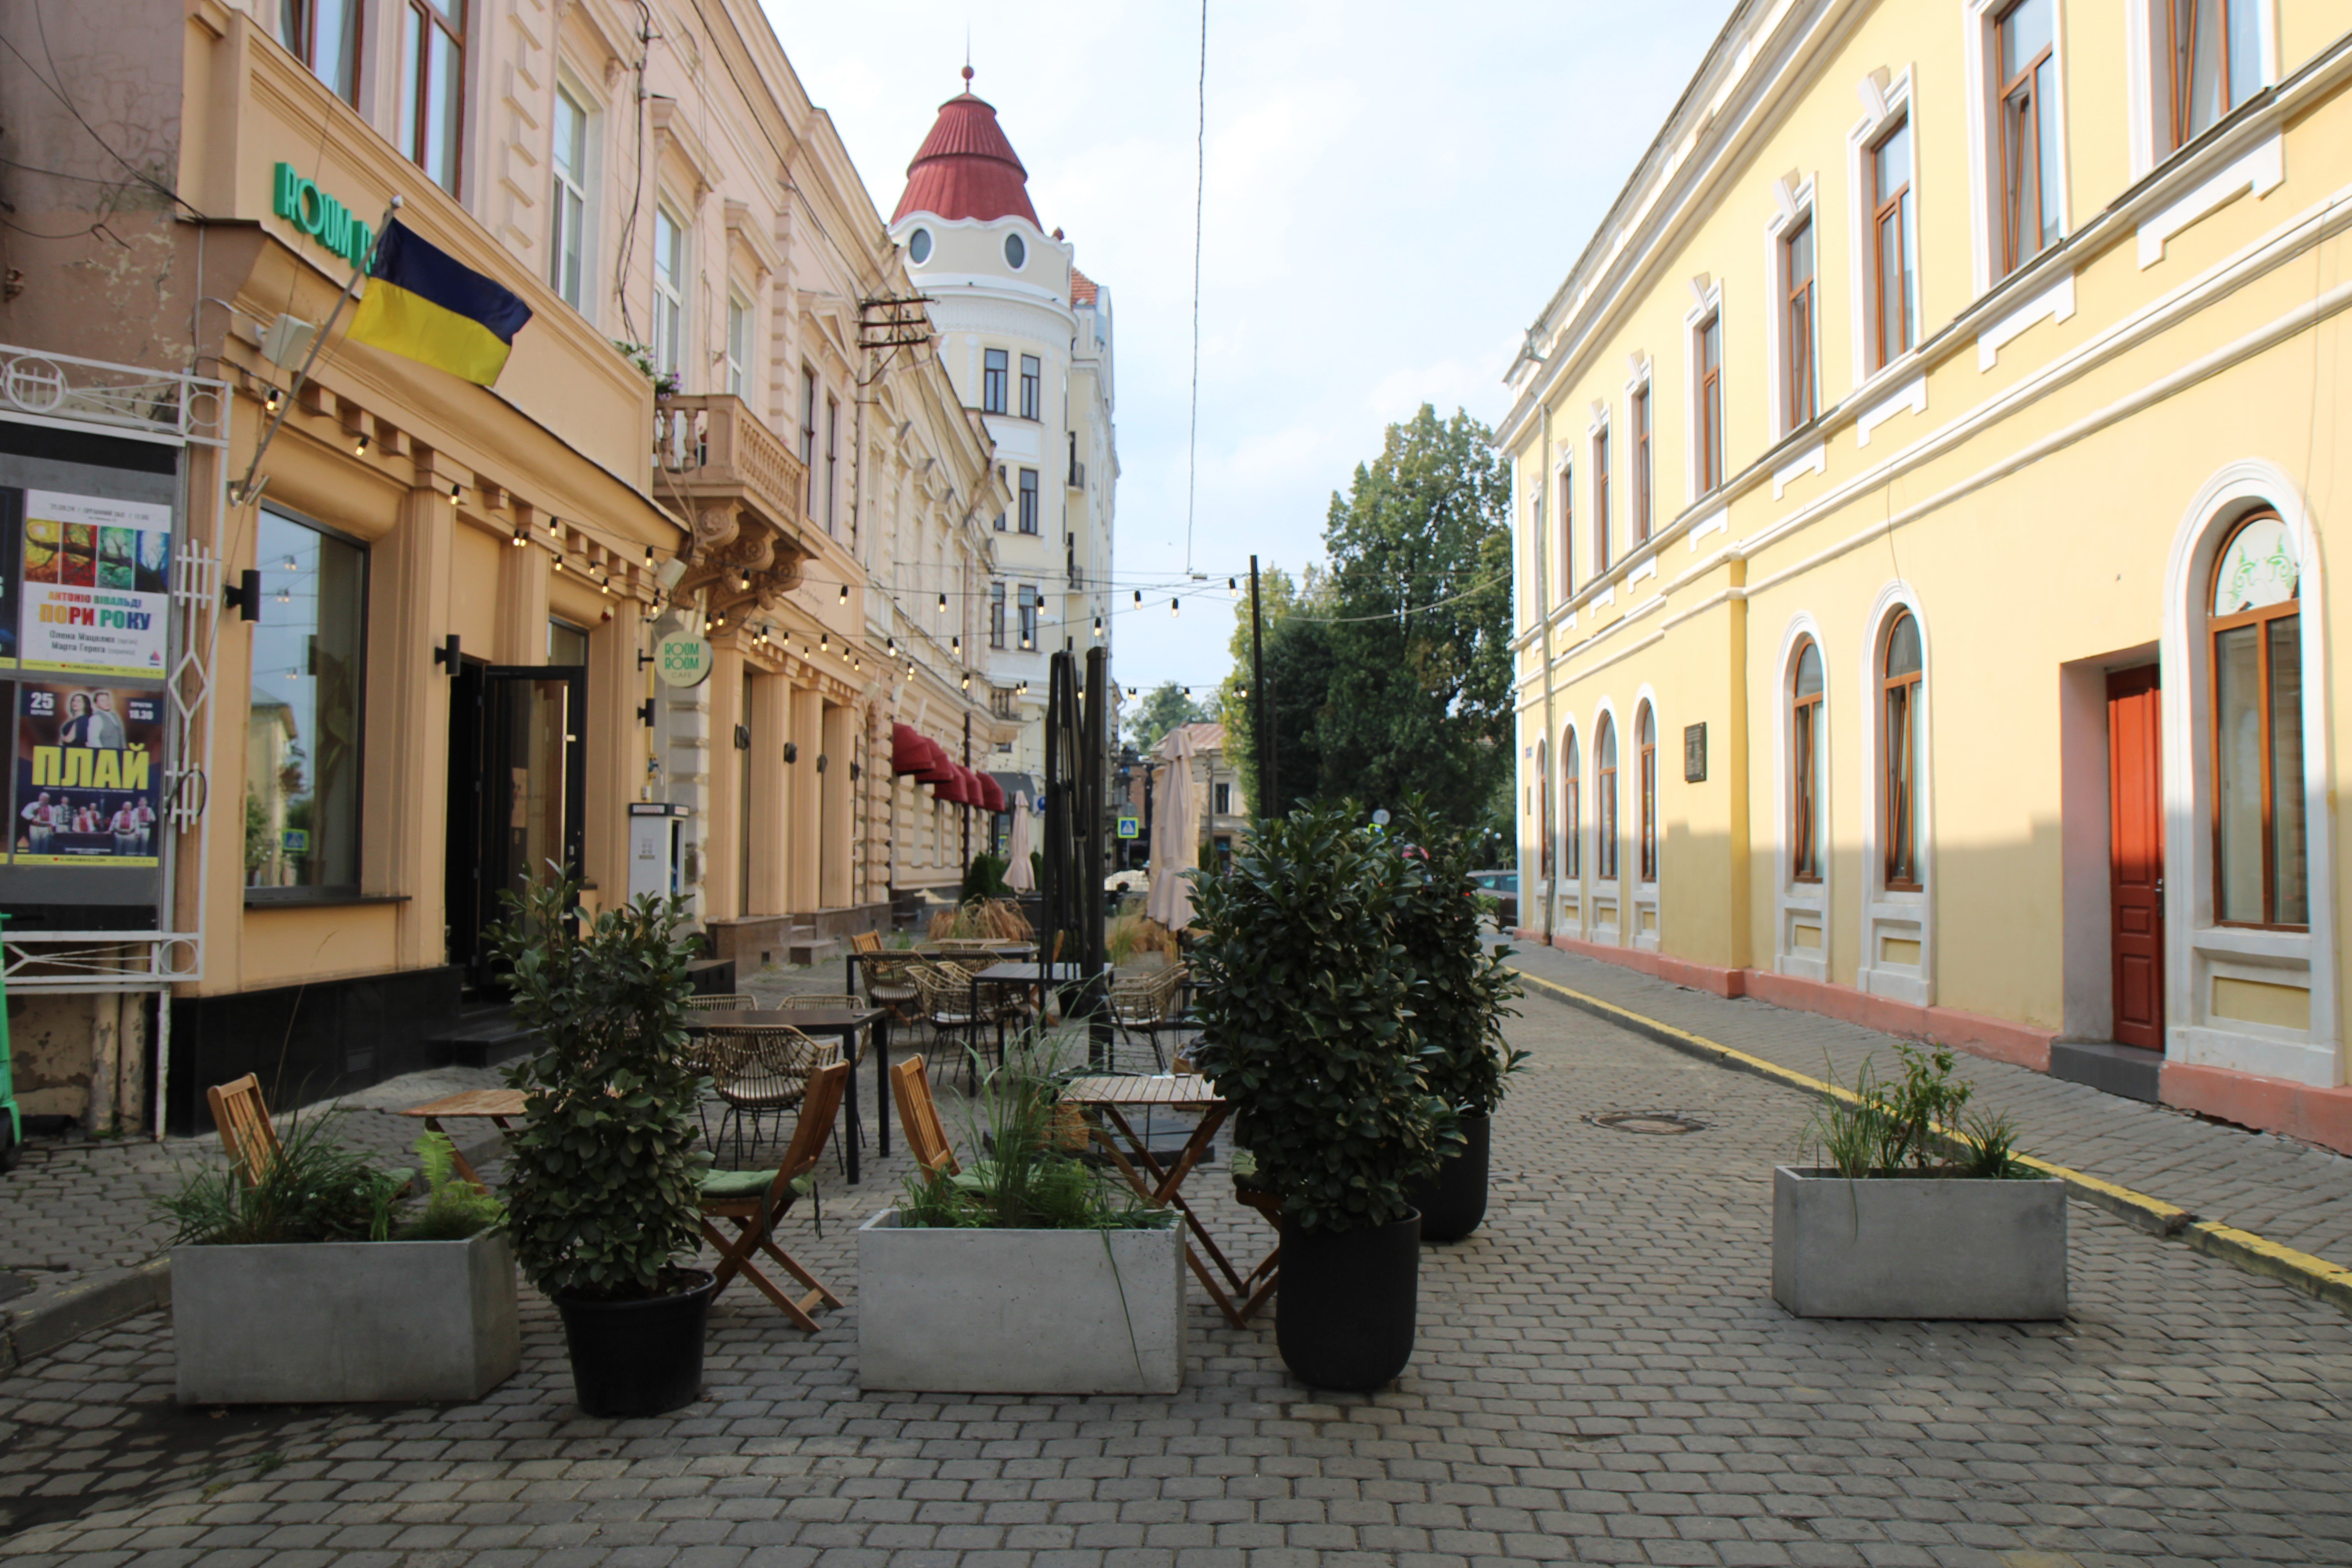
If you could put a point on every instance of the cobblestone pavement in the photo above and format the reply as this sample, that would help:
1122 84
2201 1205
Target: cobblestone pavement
2288 1192
1600 1376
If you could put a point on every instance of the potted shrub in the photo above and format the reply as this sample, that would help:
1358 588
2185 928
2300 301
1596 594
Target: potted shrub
604 1175
319 1282
1903 1219
1303 992
1031 1271
1462 994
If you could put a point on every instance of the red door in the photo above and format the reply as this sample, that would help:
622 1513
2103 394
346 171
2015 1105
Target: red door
2136 854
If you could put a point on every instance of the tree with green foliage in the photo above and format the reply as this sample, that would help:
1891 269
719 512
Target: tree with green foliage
1162 707
1420 696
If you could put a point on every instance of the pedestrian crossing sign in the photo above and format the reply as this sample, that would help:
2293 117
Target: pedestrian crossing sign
1130 828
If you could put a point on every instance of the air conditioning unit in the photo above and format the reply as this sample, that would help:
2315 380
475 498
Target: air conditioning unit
286 340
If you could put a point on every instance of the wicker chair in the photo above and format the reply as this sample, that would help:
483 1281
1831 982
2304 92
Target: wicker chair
761 1072
1147 1005
888 984
722 1002
943 1001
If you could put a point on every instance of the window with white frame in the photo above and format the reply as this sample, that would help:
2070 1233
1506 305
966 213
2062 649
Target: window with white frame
433 88
1604 542
1901 685
1637 439
670 285
1566 531
2212 62
325 36
1646 744
2026 143
2253 621
1800 377
1891 283
567 208
1807 721
1707 402
1604 806
739 343
832 464
1571 809
808 435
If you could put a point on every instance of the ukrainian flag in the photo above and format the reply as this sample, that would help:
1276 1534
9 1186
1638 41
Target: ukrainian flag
423 303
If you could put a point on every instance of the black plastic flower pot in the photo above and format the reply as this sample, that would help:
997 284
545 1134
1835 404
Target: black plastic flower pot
1344 1303
638 1358
1453 1202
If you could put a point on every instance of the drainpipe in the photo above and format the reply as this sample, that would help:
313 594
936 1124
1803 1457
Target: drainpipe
1543 620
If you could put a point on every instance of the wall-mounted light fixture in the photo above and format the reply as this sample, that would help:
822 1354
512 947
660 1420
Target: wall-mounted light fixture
244 596
447 653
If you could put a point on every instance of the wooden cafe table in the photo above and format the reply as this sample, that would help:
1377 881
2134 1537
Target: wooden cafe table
1108 1099
501 1107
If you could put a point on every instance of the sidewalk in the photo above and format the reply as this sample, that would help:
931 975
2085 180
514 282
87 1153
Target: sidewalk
2286 1192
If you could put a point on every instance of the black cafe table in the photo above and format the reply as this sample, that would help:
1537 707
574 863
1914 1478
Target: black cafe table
851 960
843 1024
1061 978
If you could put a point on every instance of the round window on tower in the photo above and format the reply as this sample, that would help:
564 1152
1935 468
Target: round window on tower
919 246
1015 253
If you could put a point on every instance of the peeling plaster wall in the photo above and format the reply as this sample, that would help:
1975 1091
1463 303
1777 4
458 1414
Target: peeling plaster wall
82 1055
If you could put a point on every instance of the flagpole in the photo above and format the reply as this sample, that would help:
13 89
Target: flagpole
245 490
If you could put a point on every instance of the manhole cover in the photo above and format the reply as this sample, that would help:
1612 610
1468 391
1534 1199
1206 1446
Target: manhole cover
1658 1123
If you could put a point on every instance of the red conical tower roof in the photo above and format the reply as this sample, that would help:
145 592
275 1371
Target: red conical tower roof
965 168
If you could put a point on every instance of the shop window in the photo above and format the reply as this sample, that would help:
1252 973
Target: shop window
303 750
993 368
1893 292
1028 500
1645 742
433 88
1708 397
567 207
2027 150
1638 434
1604 803
1900 691
325 36
2255 619
1571 810
1806 719
669 297
2212 61
1031 376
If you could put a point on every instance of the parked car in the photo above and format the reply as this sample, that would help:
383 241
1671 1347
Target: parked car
1505 886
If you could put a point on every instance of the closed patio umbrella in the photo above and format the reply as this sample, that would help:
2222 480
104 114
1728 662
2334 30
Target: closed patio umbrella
1175 832
1017 876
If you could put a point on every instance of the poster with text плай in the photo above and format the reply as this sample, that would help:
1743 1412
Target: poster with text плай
90 776
96 574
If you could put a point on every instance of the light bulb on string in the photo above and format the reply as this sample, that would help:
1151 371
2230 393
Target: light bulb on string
519 541
1138 596
943 603
1174 609
272 401
1097 626
1233 585
845 593
360 447
823 642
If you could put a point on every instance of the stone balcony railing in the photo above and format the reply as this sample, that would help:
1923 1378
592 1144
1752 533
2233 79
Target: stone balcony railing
744 489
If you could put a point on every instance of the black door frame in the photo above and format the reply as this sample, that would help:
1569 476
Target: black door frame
480 775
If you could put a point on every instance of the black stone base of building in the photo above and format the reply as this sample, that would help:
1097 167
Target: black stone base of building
309 1042
2124 1070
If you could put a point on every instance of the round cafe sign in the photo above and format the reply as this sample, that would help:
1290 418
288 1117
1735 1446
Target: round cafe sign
682 660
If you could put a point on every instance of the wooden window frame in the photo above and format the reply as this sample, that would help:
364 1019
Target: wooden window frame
1572 784
1027 493
808 437
1639 436
1887 207
1645 742
996 615
1604 541
2177 122
1898 788
670 317
1543 812
995 369
1566 531
832 465
2011 143
1805 715
1604 811
1032 386
2259 617
739 354
416 93
1801 303
1709 391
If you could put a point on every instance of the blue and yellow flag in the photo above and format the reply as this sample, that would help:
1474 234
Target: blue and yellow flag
423 303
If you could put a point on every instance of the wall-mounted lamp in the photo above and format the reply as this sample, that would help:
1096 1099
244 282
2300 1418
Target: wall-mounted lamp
821 760
447 653
743 737
646 713
244 596
792 752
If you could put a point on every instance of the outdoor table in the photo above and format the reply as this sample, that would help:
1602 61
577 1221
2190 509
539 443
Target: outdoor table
1060 977
502 1107
1108 1099
851 960
843 1024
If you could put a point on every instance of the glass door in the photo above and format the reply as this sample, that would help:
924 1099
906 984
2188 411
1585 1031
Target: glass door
518 795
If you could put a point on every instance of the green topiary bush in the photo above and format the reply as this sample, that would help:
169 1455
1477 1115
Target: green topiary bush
1465 989
1305 996
603 1178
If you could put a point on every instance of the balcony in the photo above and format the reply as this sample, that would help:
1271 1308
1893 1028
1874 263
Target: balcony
1077 475
744 491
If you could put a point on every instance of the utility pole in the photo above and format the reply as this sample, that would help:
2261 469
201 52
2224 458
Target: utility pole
1261 711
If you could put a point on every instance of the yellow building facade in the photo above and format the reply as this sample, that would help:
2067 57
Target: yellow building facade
1925 480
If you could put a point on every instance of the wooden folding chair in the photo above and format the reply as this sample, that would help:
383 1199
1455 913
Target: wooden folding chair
246 1136
754 1201
866 941
919 1118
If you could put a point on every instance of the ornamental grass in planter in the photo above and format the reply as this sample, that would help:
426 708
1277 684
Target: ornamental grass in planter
1033 1270
1917 1207
605 1175
1462 993
325 1281
1305 996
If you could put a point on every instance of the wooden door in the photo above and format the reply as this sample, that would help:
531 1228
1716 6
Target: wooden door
2136 854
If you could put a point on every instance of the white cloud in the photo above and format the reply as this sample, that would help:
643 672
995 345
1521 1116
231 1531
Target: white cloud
1392 193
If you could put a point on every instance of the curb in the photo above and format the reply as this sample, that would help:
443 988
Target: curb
45 1322
2241 1250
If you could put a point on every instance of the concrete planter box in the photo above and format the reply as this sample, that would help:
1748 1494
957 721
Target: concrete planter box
344 1321
1929 1247
1019 1311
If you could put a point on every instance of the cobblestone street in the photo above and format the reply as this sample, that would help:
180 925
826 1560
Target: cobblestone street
1601 1376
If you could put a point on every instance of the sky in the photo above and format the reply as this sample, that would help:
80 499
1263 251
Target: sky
1392 194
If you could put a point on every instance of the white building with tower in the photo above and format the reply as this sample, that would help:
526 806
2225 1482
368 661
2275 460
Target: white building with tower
1026 339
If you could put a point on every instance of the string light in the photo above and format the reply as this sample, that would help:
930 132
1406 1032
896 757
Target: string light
967 681
1097 626
910 669
456 490
955 646
360 447
554 525
943 603
1174 609
1233 585
823 642
743 582
845 593
1138 596
559 563
649 554
272 401
519 540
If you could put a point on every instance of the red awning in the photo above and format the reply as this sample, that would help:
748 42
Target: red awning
993 794
958 787
910 752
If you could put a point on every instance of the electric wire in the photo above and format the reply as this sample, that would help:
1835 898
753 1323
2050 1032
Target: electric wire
1199 189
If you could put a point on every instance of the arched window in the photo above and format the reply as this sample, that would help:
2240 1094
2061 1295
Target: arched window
1806 717
1571 810
1645 740
1900 689
1604 810
2255 619
1543 814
